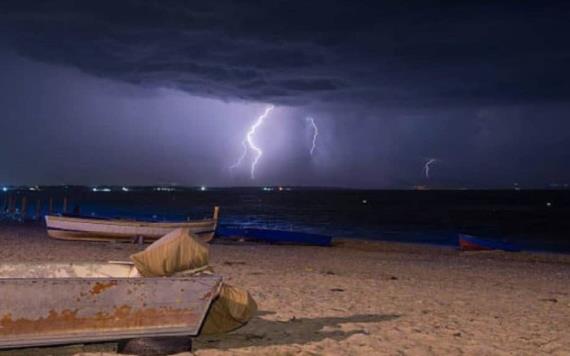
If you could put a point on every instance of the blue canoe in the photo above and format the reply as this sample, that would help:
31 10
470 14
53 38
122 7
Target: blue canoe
274 236
473 243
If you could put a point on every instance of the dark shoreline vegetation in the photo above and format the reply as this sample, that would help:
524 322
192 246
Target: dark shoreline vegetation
535 219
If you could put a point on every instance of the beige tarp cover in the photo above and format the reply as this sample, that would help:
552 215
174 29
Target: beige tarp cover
232 310
174 252
180 251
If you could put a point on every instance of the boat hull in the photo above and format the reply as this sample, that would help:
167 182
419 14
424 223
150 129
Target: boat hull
278 237
472 243
76 228
40 311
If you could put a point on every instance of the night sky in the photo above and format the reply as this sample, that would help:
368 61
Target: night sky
155 92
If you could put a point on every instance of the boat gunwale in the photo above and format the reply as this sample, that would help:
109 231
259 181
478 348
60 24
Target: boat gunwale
173 277
159 224
75 235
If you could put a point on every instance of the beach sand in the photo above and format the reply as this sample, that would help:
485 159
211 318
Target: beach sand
364 298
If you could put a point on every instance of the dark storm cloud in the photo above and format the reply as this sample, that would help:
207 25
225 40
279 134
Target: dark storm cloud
482 87
391 54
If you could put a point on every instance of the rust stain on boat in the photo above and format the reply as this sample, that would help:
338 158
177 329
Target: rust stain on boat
208 295
100 287
124 316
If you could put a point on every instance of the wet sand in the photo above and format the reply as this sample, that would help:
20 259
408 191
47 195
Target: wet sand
367 298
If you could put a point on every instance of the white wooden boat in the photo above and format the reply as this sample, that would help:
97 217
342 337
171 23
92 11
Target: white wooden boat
86 229
59 303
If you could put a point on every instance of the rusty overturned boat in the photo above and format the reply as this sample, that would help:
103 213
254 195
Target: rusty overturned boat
96 229
62 303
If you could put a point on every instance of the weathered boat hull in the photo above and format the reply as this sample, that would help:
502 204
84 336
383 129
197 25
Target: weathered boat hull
50 311
85 229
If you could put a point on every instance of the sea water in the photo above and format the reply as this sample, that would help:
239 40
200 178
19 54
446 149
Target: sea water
537 220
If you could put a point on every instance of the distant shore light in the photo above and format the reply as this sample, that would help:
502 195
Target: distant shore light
203 188
125 189
163 189
101 189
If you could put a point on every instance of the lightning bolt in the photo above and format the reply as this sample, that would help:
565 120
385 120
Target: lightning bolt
249 138
315 133
241 158
429 162
249 144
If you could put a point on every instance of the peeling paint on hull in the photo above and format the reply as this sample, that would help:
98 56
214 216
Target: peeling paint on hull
48 311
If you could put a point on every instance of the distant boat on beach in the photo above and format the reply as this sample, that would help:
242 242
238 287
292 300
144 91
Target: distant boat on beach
473 243
96 229
278 237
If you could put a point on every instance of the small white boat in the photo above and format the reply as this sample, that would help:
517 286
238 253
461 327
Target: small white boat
88 229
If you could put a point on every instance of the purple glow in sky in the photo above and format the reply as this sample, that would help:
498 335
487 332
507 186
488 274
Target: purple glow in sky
162 92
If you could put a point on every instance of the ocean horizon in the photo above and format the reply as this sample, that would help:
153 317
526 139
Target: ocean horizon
534 219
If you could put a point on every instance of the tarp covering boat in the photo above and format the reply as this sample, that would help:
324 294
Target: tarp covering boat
174 252
233 308
180 251
274 236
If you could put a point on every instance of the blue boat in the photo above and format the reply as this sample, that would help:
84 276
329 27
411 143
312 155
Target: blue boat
473 243
277 237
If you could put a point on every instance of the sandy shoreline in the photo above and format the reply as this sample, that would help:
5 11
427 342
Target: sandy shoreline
367 298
